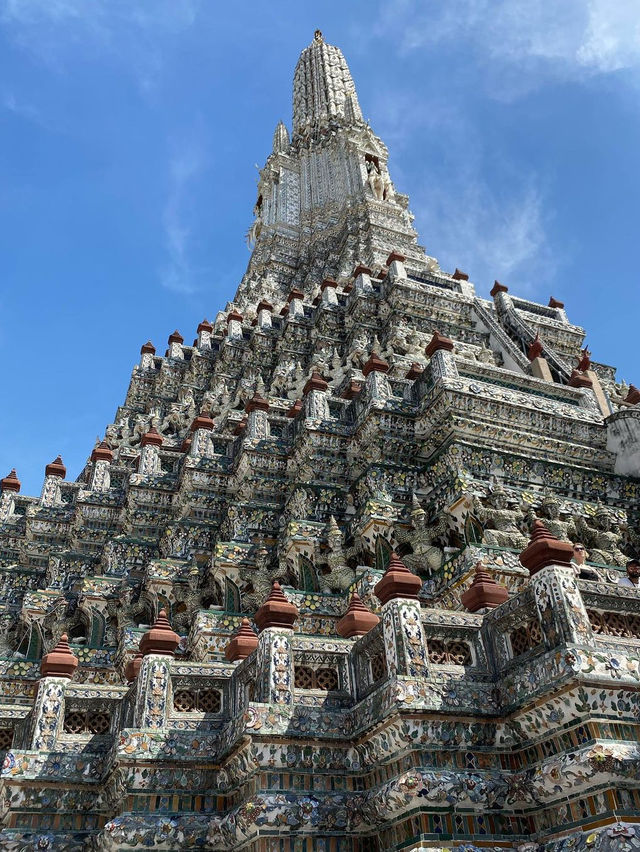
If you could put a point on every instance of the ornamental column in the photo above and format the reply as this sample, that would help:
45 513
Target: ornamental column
147 353
57 669
201 429
9 486
150 444
405 643
561 610
153 683
375 372
102 456
53 473
316 402
275 620
440 351
205 330
257 420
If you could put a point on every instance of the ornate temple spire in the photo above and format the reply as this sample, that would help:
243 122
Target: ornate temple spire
323 88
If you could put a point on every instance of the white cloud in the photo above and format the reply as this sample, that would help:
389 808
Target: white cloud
179 275
519 44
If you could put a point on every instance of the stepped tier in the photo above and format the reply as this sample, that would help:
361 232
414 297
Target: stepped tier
356 419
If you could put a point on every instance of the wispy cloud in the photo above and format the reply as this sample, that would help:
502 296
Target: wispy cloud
520 44
179 275
474 210
55 31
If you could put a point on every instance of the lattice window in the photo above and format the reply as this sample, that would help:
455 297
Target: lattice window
620 624
525 637
6 738
453 653
325 679
378 667
87 722
204 700
209 701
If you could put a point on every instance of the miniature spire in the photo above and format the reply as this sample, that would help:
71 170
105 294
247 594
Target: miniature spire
60 662
56 468
102 452
10 482
280 138
322 83
544 549
276 611
152 437
160 639
484 592
357 620
243 643
397 582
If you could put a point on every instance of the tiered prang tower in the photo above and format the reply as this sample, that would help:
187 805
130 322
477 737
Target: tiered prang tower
313 590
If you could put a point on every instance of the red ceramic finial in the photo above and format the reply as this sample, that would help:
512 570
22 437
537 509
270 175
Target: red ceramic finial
160 639
361 269
295 294
132 668
102 452
56 468
276 611
60 662
315 382
257 403
176 337
484 592
544 549
397 582
152 437
352 389
264 306
328 283
498 288
357 620
205 325
535 349
438 341
458 275
395 255
375 364
295 409
414 371
554 303
243 643
10 482
202 421
148 348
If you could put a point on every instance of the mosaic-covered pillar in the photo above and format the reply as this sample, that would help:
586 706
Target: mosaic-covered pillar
559 604
234 325
264 320
9 487
205 330
275 620
147 354
57 669
201 429
53 473
153 683
150 452
102 456
561 610
175 346
404 639
296 307
329 295
440 351
257 419
316 402
396 270
377 384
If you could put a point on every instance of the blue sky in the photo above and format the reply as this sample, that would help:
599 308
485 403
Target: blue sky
129 133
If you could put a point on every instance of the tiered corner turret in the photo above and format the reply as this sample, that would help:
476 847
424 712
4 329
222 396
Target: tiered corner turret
353 456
